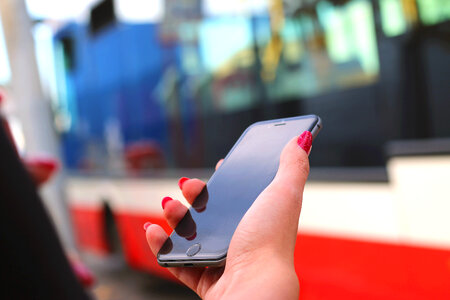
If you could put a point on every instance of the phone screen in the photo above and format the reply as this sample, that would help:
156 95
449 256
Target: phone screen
247 170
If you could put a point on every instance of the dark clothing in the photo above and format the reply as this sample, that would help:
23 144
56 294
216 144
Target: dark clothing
32 260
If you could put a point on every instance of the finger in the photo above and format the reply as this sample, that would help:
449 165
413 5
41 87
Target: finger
156 237
191 188
294 163
288 185
219 163
173 211
179 218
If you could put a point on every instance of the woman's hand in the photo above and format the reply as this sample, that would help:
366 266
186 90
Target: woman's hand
260 259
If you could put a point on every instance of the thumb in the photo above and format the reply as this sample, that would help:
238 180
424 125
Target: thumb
294 164
285 193
273 217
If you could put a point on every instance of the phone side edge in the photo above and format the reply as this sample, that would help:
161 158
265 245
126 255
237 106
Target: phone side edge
317 127
194 263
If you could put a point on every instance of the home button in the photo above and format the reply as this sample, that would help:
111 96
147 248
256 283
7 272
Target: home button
193 249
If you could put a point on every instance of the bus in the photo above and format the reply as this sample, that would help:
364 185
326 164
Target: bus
139 105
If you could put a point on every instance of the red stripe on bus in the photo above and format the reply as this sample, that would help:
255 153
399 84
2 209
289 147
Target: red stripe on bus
89 230
327 267
338 268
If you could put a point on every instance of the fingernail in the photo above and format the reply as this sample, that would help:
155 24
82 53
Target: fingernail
305 141
146 225
192 237
201 209
165 200
181 181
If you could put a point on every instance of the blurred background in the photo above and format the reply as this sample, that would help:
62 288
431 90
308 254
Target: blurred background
127 96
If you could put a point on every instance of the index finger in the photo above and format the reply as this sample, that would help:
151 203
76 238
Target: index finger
219 163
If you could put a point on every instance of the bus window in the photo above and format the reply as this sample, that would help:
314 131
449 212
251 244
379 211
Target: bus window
433 11
228 60
399 16
392 18
175 82
350 34
326 48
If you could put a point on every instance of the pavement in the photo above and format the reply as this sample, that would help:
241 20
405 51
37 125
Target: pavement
116 281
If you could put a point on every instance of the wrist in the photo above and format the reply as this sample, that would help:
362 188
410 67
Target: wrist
266 279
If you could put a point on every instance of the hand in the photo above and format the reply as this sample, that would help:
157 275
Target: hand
260 259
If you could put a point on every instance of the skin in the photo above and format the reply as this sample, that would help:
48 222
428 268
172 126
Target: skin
260 260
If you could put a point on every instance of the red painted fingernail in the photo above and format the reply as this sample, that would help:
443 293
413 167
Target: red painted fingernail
146 225
181 181
165 200
305 141
192 237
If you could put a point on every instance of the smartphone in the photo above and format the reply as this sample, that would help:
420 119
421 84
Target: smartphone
203 235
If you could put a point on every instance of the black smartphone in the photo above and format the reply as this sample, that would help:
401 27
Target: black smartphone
203 235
